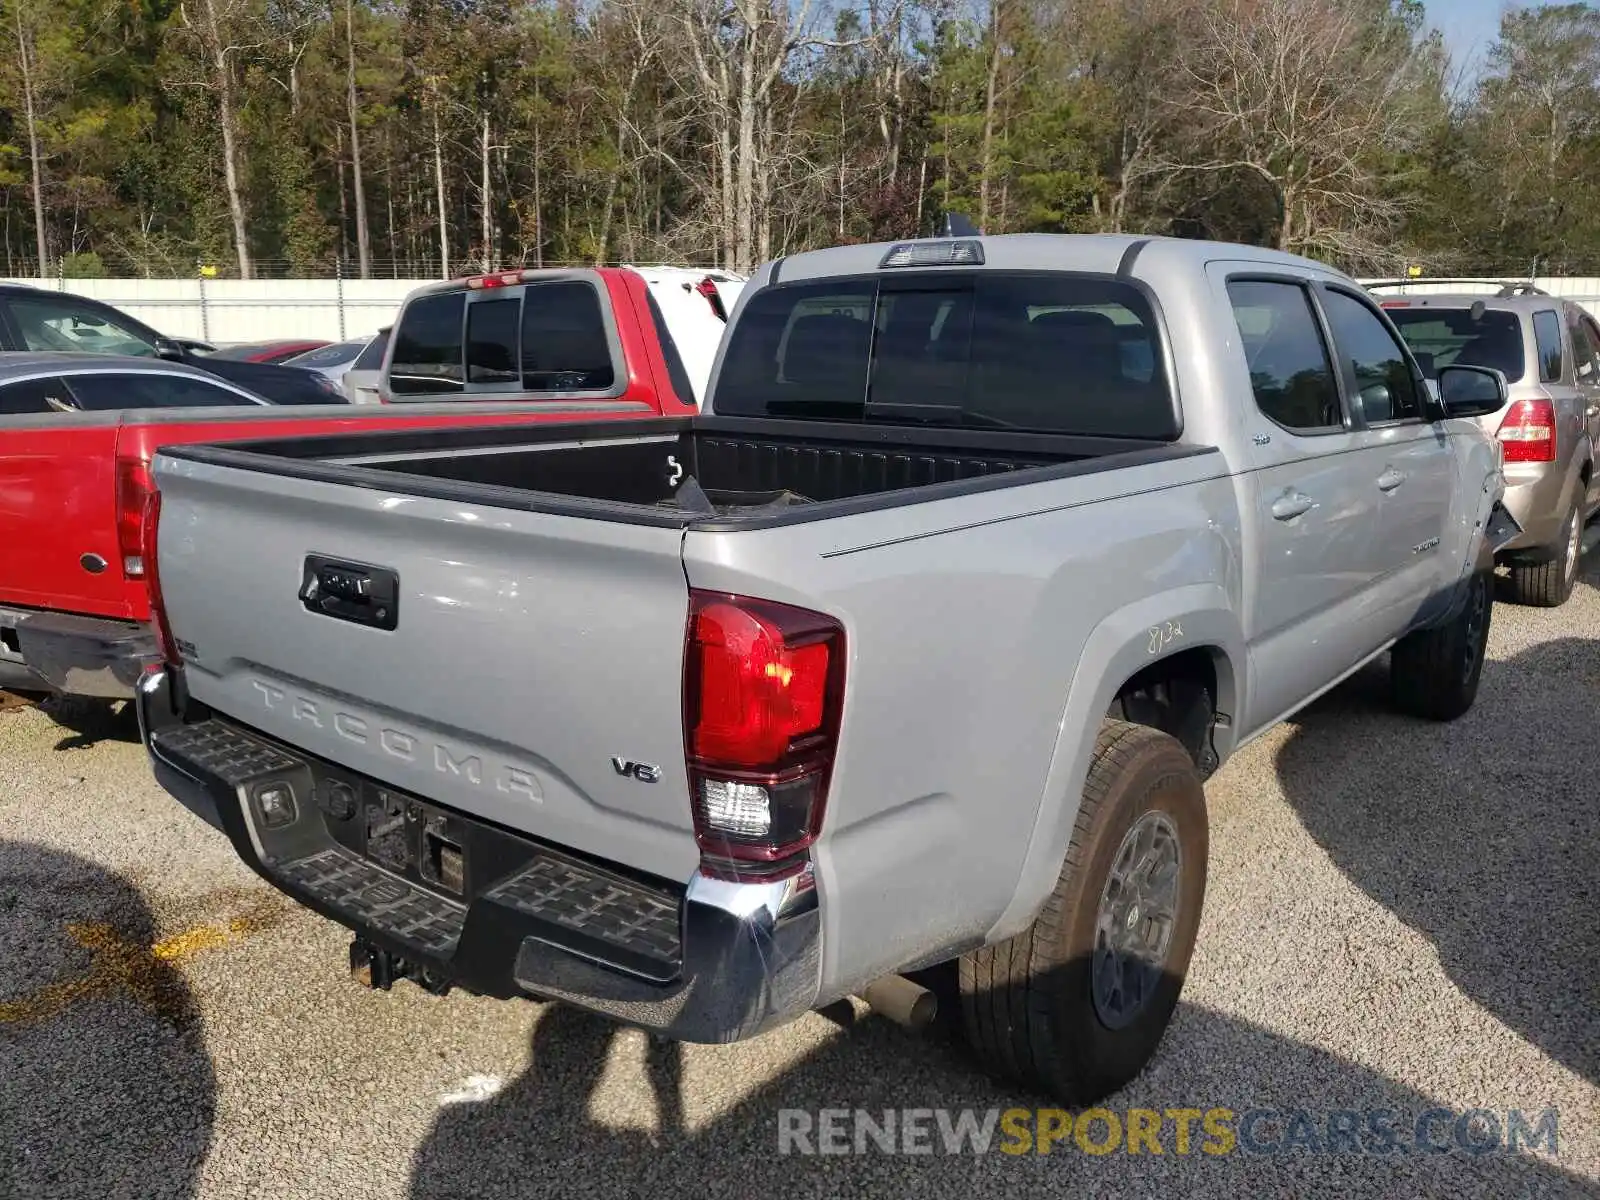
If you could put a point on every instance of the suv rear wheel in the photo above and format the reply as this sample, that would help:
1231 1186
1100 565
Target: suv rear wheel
1076 1004
1549 584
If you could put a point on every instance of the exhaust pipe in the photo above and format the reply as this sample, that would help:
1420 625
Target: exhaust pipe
905 1003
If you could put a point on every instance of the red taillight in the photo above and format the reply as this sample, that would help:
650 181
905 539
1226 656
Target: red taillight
150 519
1528 434
707 287
763 694
134 487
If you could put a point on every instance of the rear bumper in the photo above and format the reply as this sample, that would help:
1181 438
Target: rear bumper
707 961
1537 495
83 656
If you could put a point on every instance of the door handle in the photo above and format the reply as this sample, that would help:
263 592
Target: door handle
1291 505
1391 479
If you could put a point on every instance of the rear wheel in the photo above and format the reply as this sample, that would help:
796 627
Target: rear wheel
1434 673
1549 584
1076 1004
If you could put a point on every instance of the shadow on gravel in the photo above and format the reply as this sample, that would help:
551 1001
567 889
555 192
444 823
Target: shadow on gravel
105 1085
539 1137
1480 834
91 721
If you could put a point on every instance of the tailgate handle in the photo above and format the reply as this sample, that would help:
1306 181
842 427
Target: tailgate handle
348 591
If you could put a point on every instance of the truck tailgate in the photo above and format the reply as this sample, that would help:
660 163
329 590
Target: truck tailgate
529 653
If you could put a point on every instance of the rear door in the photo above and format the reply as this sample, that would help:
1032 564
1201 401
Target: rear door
1405 466
58 527
1313 505
522 653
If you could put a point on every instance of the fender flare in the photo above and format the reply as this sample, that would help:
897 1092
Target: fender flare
1122 644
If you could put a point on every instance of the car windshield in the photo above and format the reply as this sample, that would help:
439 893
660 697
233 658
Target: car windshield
327 356
1446 337
1045 353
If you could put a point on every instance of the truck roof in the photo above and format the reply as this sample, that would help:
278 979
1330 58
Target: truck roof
1097 253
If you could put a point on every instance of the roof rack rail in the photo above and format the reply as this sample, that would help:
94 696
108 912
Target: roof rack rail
1520 289
1502 290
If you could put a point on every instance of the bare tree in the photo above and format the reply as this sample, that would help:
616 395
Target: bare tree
1310 96
735 52
222 31
25 63
363 239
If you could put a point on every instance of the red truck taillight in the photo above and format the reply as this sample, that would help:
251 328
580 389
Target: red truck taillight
134 488
763 694
1528 434
150 518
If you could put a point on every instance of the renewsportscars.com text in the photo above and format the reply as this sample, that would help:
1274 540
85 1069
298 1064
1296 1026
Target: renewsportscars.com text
1180 1131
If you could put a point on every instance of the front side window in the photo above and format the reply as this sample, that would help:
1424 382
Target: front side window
1462 337
1048 353
1290 371
138 389
52 323
427 346
1547 337
1383 377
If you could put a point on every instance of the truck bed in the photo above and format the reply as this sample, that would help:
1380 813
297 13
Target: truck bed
697 472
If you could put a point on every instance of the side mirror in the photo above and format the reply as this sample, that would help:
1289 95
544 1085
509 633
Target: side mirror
169 349
1471 391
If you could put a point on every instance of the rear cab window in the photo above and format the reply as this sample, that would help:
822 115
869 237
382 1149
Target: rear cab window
547 337
1047 353
1445 337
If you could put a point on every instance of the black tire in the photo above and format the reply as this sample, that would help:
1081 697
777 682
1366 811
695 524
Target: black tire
1027 1003
1434 673
1549 584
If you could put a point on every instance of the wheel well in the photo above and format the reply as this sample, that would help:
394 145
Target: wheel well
1178 695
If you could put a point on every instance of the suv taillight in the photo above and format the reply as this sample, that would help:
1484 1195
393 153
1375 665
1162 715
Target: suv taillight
763 694
134 487
707 287
1528 434
150 519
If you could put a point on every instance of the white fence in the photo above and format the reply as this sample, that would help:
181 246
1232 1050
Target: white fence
249 310
234 310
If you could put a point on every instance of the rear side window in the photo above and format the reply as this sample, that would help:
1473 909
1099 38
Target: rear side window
34 396
564 343
1047 353
371 358
97 393
1444 337
427 346
1547 337
1290 371
492 341
1383 377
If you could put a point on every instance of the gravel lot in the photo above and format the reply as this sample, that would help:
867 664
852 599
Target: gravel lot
1400 916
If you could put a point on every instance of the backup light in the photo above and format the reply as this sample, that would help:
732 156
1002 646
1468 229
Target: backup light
742 810
968 252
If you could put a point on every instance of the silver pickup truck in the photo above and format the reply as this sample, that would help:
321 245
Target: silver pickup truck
913 649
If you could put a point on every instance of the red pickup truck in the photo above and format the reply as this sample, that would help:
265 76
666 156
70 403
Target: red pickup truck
74 600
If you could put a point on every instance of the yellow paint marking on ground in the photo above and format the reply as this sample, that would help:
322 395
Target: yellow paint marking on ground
118 964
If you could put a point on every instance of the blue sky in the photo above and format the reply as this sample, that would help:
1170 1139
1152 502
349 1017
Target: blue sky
1469 26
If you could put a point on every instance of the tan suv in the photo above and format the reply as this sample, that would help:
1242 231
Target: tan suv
1549 351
